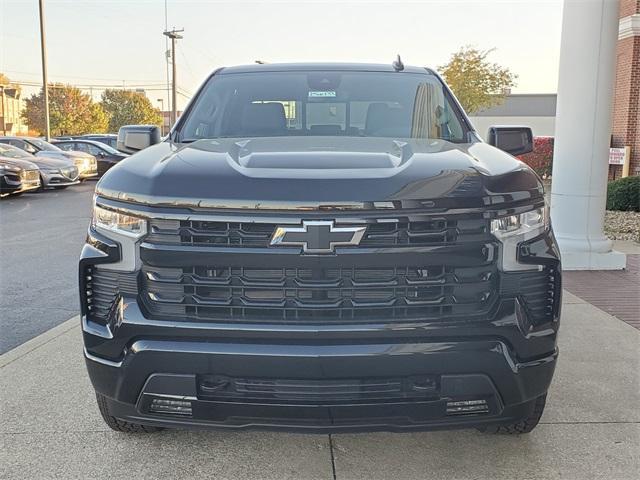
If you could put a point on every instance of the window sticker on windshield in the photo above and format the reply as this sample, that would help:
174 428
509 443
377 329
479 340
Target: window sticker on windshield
322 94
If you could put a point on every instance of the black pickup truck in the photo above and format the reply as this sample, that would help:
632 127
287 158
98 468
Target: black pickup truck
321 247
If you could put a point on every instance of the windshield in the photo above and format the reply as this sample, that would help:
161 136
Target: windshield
13 152
360 104
42 145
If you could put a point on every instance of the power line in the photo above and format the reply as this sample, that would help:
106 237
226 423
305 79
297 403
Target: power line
93 88
127 86
37 74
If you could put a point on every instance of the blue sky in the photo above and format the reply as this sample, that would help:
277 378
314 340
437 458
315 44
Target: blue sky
114 41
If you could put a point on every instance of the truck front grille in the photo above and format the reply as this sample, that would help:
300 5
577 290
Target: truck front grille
380 233
291 295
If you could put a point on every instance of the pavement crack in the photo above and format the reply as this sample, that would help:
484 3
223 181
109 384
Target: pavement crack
333 459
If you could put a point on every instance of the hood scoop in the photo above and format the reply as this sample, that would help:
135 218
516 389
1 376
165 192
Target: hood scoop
321 157
319 160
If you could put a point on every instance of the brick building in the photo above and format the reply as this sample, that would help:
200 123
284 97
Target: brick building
626 108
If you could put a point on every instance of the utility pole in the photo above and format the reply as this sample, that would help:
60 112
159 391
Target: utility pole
167 54
2 112
161 100
174 35
45 82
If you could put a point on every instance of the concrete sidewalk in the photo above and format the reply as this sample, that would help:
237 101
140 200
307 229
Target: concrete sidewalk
51 428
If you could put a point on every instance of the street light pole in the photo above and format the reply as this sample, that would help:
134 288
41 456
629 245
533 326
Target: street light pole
174 35
45 82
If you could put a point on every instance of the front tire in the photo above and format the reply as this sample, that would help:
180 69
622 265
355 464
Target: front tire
526 425
121 425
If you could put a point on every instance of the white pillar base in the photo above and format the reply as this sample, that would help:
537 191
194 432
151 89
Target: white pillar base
583 256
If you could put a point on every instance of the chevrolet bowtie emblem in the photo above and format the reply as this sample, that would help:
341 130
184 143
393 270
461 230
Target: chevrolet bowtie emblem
317 236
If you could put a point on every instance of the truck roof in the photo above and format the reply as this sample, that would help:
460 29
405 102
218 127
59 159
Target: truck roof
291 67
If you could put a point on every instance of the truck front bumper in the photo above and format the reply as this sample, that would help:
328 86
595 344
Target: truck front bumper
320 387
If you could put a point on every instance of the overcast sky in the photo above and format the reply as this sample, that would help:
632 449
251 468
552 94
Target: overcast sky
108 42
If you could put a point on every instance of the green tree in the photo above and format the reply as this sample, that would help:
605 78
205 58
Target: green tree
71 112
126 107
477 83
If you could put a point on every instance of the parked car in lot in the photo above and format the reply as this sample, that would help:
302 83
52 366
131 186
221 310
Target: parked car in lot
106 156
53 172
110 139
17 176
106 138
87 164
322 247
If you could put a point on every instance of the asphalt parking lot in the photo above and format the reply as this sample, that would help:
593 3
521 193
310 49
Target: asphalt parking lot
41 236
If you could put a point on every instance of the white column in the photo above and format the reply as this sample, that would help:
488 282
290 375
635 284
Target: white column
583 131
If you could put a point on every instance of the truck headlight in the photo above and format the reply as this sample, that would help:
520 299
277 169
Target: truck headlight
118 222
512 230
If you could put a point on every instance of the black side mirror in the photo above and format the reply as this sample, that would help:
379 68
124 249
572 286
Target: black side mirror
511 139
133 138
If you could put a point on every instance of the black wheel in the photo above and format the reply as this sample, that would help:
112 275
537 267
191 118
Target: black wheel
525 425
119 425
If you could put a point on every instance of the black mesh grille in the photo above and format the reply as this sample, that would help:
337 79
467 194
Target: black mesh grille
539 292
328 295
387 232
213 387
103 288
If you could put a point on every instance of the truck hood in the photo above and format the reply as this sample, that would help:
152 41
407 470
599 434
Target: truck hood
312 172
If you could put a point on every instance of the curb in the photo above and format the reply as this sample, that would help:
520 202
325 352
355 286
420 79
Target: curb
36 342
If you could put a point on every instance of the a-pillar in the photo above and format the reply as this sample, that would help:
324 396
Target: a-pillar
583 132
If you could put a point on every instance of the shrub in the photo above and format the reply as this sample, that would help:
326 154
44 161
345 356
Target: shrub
624 194
541 159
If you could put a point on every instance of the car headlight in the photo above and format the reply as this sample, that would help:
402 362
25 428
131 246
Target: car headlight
118 222
512 230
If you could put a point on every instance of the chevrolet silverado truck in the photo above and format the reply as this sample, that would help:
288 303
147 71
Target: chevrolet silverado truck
321 247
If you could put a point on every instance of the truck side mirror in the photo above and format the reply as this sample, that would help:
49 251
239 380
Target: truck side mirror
133 138
512 139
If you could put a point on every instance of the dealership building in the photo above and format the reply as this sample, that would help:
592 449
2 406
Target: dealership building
538 111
